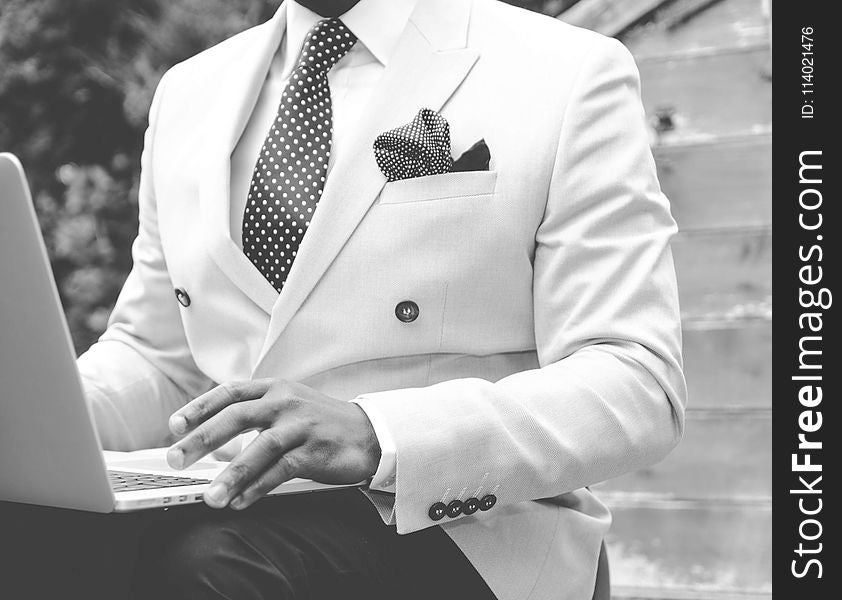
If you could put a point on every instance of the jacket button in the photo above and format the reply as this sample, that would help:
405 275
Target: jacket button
182 297
454 509
487 502
437 511
406 311
470 507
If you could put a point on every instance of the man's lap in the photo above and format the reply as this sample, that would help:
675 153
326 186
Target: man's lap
325 545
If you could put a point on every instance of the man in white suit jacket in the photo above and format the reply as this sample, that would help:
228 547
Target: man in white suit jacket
507 336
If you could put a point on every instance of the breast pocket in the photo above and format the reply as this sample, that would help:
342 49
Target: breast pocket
467 184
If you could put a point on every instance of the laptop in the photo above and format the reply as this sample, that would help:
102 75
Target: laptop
50 453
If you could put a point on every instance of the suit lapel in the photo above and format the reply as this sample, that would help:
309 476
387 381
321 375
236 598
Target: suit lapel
239 83
429 63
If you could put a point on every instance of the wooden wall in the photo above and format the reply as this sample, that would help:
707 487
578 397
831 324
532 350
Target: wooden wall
698 525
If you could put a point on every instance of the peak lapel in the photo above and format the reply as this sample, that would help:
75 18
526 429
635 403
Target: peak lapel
239 84
430 62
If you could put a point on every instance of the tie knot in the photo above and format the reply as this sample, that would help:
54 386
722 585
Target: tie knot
328 41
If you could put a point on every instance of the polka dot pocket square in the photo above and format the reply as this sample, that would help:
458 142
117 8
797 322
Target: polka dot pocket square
422 147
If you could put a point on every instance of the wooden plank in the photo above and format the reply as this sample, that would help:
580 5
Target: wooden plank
727 23
727 183
679 13
609 17
724 274
729 365
715 549
722 455
647 593
712 94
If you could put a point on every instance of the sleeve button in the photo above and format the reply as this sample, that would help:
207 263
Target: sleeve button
437 511
487 502
470 507
454 509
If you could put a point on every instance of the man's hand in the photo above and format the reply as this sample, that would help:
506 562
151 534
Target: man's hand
303 433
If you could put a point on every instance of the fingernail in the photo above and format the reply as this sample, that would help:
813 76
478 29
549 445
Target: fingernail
237 503
178 424
175 458
217 493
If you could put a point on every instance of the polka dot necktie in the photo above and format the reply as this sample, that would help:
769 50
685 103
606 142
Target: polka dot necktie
290 173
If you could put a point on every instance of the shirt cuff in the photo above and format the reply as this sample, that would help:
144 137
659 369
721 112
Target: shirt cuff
384 477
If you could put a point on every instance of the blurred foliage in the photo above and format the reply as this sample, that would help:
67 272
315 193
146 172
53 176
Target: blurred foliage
76 81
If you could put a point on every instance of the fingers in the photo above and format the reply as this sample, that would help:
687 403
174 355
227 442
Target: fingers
267 456
216 431
287 467
210 403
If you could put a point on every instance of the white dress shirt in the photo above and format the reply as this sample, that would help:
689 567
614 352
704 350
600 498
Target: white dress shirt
378 25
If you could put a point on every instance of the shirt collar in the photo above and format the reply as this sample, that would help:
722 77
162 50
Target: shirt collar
378 25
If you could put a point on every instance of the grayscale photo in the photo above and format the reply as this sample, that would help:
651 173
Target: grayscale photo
386 299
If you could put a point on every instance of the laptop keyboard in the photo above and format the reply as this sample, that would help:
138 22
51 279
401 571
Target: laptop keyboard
123 481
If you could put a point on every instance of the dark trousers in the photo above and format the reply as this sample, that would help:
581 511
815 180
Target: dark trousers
323 545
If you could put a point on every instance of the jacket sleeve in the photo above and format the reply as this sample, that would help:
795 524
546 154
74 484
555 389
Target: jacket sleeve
141 369
609 395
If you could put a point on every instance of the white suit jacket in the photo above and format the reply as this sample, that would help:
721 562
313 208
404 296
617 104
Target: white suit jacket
546 353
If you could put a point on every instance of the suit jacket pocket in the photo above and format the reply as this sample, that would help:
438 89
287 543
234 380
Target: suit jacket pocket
440 187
